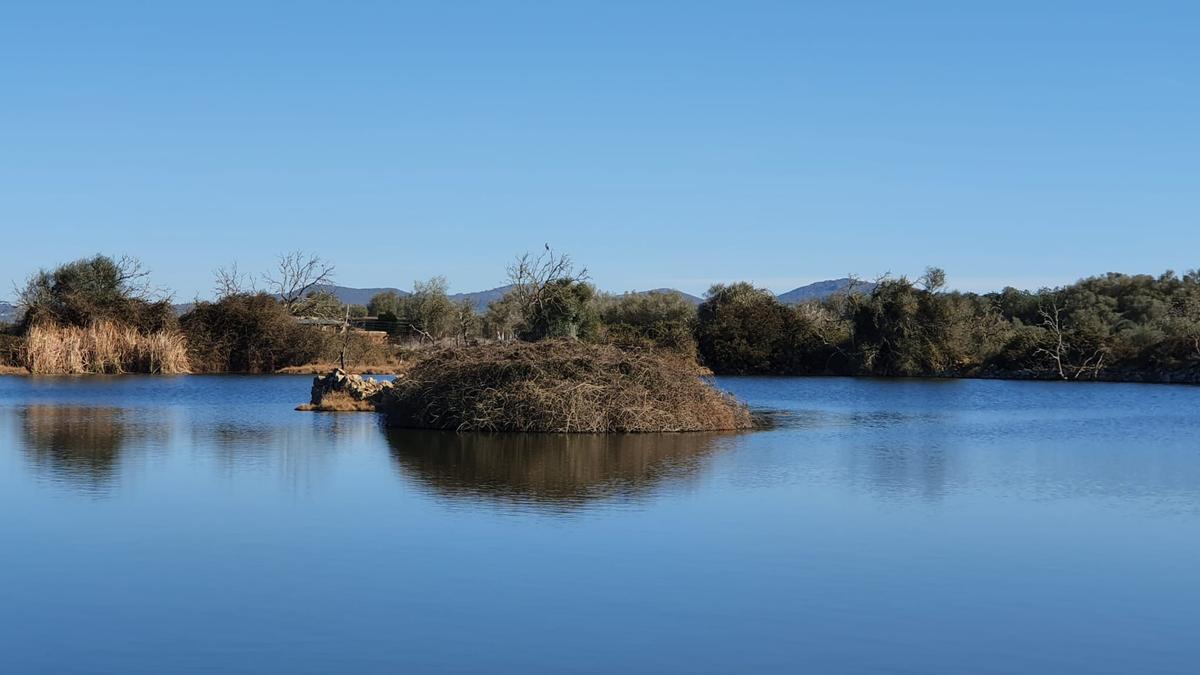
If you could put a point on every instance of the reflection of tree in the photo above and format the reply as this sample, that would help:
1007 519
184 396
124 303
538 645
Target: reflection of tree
78 444
562 470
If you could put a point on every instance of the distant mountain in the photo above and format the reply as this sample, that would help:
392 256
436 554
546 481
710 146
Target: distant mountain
9 313
823 289
694 300
481 299
359 296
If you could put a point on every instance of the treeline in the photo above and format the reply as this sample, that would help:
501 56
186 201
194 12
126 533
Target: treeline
101 315
1116 326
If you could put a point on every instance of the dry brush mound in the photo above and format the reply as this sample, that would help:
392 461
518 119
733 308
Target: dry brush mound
559 386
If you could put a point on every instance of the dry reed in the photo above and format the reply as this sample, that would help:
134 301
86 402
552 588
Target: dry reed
104 347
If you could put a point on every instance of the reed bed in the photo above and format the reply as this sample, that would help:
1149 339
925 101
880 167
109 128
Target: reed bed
103 348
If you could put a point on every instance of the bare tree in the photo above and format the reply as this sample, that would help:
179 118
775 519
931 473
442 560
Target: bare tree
466 319
296 274
530 276
1060 350
230 280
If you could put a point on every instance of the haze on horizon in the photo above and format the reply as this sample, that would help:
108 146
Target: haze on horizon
661 145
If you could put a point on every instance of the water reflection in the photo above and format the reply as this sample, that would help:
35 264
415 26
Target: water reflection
299 450
562 471
80 445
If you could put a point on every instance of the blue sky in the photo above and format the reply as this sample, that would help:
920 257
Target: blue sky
662 144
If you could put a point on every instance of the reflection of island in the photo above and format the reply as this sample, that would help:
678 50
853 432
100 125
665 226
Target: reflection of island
77 444
562 470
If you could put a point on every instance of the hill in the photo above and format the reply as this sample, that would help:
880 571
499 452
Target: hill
359 296
9 313
695 300
481 299
820 290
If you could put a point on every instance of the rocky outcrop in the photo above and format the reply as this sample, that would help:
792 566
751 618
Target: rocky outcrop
340 391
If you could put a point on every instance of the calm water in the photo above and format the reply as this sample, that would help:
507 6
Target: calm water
198 524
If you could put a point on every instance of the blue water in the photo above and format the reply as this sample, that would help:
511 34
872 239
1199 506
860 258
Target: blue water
199 524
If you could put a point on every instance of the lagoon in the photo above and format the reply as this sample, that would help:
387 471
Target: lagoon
199 524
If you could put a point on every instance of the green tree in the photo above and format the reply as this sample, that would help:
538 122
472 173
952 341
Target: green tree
428 312
744 330
384 302
551 298
95 289
655 319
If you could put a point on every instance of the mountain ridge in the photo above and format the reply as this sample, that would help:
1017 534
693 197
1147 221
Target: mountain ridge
819 290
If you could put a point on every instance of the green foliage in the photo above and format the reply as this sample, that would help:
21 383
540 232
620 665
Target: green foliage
550 299
664 320
565 308
902 330
385 302
1116 325
502 318
93 290
745 330
248 332
427 313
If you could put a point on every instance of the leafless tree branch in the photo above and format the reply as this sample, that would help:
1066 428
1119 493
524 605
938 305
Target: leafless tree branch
296 274
230 280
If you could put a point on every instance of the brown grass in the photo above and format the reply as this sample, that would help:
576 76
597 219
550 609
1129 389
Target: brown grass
104 347
322 367
338 401
559 386
13 370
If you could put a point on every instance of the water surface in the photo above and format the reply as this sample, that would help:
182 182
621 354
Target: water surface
199 524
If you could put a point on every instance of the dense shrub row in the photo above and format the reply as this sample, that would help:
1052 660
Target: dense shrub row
1116 326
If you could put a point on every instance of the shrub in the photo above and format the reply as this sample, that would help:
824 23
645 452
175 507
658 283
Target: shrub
658 319
247 332
743 330
91 291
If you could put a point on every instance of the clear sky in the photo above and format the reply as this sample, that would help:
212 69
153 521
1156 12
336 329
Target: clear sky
662 144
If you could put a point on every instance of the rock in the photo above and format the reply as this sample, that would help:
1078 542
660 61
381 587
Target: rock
339 385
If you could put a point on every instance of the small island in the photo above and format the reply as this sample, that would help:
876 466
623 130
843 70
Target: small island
559 385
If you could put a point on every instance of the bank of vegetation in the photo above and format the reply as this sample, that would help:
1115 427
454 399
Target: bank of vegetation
1138 328
100 315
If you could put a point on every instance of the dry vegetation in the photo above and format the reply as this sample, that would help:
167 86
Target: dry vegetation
559 386
338 401
387 367
103 347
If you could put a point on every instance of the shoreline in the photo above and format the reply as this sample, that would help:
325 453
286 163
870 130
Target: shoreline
391 370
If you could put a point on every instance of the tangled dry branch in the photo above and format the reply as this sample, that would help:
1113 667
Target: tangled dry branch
559 386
